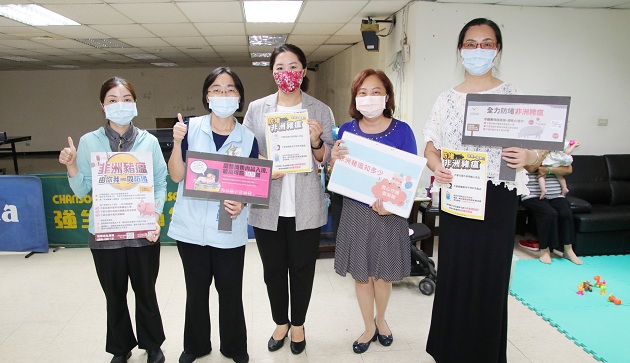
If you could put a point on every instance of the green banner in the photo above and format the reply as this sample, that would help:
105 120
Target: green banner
67 216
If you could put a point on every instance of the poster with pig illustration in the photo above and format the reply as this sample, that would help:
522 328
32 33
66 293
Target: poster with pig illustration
532 122
526 121
373 170
122 195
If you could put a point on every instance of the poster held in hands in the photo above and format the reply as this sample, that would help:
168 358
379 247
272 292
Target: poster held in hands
123 195
372 170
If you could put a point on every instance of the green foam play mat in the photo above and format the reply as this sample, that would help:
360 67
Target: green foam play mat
599 326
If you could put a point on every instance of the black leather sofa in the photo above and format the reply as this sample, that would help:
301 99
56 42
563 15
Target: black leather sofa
599 196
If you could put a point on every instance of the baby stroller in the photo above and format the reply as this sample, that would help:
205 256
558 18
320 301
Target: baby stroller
421 264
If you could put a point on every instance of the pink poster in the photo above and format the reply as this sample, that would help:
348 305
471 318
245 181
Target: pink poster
225 177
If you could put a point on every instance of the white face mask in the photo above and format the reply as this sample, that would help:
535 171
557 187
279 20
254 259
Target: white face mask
370 106
121 113
478 61
223 106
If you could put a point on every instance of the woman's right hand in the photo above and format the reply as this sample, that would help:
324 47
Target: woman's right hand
338 151
68 157
179 130
443 175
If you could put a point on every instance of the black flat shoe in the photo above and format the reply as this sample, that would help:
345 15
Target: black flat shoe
385 340
274 345
120 358
241 358
155 356
363 347
187 357
238 357
298 347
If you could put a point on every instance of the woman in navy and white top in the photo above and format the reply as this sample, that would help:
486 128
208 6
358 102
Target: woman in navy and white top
372 243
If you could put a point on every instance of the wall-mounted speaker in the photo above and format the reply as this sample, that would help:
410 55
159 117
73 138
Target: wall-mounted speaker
370 39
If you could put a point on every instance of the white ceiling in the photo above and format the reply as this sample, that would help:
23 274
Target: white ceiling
199 33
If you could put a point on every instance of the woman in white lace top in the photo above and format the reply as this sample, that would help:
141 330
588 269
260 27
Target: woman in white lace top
469 318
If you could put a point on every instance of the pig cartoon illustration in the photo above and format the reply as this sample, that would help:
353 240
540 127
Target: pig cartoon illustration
527 131
146 209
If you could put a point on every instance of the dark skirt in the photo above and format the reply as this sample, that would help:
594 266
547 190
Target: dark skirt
372 245
469 318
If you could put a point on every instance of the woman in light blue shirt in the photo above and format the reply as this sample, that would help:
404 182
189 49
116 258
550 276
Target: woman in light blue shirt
206 252
120 261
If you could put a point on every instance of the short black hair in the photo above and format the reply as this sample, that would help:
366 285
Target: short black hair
210 79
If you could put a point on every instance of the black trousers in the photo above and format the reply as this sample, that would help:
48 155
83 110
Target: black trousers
554 221
140 265
201 265
288 258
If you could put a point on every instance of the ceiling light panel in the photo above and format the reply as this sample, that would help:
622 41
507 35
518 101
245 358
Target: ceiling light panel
17 58
34 15
271 39
88 13
63 66
272 11
142 56
260 55
104 43
166 64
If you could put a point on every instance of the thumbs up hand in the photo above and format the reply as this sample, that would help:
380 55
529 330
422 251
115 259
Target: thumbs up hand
179 129
68 157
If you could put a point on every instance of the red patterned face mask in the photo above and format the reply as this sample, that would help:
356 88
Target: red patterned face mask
288 81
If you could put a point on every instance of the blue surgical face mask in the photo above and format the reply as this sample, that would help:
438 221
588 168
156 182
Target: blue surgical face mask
223 106
478 61
121 113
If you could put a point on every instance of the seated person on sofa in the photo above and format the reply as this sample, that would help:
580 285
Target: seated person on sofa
554 221
557 158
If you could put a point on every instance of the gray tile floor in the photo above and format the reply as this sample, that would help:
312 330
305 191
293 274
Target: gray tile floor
53 310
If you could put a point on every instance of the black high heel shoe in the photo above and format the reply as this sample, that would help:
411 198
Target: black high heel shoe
274 345
385 340
363 347
298 347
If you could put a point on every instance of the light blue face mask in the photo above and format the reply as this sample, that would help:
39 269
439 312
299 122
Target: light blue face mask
121 113
478 61
223 106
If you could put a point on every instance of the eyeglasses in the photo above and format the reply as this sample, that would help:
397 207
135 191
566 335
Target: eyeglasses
484 45
217 91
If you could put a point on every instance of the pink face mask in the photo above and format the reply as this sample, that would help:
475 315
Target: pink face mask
288 81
